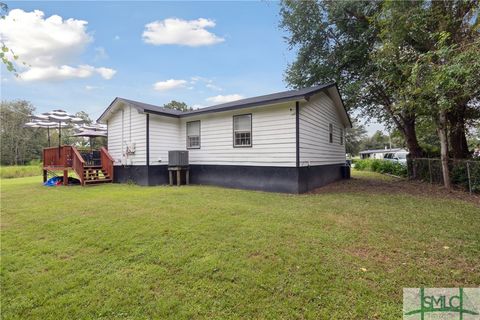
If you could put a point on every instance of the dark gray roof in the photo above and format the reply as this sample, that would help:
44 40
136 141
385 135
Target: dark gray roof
278 97
151 107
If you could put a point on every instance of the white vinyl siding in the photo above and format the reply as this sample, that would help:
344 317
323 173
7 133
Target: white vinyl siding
126 128
164 137
273 133
316 116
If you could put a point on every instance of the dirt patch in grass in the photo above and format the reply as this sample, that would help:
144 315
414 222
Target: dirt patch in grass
377 184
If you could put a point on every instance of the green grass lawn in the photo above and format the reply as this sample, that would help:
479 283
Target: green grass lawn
129 252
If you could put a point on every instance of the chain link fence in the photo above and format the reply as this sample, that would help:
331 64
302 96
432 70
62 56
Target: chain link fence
463 173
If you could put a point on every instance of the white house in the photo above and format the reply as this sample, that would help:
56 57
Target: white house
290 141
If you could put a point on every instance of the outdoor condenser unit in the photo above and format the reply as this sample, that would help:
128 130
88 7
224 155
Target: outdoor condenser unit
178 158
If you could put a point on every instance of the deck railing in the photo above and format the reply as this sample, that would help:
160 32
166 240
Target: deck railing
68 157
78 164
107 162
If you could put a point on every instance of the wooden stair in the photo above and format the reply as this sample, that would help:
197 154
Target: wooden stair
95 175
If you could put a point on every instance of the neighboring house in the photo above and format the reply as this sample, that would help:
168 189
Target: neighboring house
291 141
379 153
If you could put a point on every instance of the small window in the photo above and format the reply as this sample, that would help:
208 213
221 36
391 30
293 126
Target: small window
330 133
193 135
341 136
242 130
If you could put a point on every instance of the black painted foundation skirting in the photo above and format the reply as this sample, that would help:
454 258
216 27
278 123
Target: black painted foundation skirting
274 179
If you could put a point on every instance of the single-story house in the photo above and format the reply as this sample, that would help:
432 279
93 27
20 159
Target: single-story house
290 141
379 153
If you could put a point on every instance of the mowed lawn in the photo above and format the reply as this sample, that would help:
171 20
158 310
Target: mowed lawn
198 252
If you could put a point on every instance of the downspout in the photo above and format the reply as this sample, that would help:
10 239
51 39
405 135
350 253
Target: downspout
297 133
297 145
148 147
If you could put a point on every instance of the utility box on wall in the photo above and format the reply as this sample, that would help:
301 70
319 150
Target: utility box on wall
178 158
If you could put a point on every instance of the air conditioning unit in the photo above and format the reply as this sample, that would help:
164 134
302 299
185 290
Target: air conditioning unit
178 158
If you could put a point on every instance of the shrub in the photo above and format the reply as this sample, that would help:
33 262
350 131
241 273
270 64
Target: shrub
381 166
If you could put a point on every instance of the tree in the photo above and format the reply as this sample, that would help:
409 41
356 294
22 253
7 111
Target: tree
377 141
439 64
354 137
177 105
19 145
85 116
336 41
6 54
412 30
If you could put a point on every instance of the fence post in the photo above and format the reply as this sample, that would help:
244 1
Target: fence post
430 171
469 180
414 169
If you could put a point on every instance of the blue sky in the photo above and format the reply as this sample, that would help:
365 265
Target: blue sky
236 49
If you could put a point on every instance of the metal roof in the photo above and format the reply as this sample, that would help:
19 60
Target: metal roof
273 98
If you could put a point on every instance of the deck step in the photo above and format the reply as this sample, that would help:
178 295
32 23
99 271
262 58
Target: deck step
92 167
97 181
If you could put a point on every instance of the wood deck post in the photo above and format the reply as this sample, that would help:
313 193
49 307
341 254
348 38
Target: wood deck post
44 175
179 175
65 177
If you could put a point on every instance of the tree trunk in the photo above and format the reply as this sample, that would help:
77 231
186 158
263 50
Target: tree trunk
457 136
442 135
410 134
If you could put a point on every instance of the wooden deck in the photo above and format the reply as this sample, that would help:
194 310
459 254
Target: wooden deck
66 158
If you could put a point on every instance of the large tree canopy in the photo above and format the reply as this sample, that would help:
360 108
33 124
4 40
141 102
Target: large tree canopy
336 40
373 49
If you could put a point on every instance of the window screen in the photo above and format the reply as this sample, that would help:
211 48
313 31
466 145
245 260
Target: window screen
193 134
242 130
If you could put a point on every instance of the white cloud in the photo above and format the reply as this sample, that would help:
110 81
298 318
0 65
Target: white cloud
198 106
169 84
117 37
64 72
106 73
181 32
48 45
213 87
208 83
224 98
90 88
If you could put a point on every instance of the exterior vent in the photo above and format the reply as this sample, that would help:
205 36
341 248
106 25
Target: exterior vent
178 158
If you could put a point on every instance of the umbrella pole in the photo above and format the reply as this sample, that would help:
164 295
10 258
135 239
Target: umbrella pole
48 135
59 137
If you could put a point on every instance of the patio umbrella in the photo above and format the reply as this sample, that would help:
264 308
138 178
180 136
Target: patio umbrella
92 126
90 134
60 117
36 123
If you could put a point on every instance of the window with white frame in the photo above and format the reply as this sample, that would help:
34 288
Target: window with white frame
341 136
330 133
242 130
193 135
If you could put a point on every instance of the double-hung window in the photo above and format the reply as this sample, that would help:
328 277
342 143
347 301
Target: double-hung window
242 130
193 135
330 133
